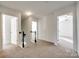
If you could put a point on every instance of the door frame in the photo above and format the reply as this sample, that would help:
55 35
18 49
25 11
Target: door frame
16 27
72 25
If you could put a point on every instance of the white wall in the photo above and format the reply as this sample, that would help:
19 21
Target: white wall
77 15
1 31
47 28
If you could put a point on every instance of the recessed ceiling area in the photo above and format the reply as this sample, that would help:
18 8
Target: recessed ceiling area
40 8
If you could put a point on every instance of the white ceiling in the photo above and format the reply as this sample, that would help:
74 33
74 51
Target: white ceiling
37 7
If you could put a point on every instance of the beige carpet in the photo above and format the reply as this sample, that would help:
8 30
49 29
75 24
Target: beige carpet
40 50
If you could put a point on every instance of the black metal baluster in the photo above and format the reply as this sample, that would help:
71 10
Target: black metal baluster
35 37
23 39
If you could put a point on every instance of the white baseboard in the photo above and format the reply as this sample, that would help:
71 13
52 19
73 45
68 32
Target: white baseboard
55 43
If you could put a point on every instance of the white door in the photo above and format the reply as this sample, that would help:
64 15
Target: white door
14 30
6 29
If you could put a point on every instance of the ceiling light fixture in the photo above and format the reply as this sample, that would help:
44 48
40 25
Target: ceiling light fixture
28 13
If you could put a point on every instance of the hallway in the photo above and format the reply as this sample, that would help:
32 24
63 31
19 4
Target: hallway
37 20
42 49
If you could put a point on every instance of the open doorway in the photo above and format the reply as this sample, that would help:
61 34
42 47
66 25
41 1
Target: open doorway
34 29
9 30
65 30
